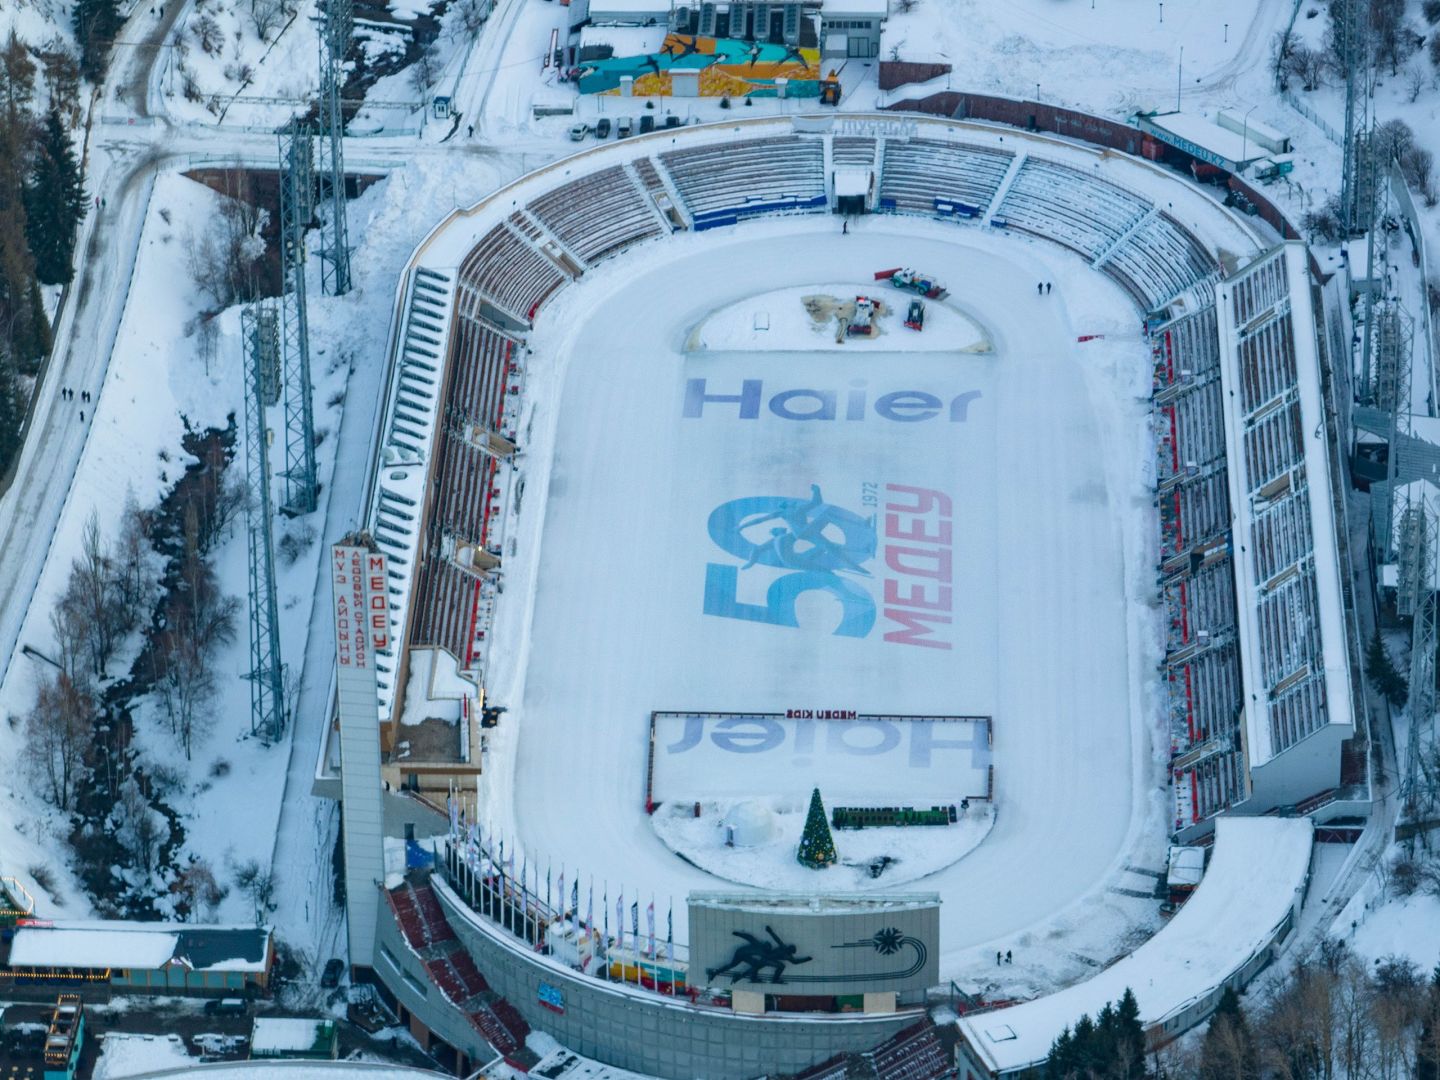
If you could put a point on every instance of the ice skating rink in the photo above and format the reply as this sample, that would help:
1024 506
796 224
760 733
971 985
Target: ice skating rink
783 525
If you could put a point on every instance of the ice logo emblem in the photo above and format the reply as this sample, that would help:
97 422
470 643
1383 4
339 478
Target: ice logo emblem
813 542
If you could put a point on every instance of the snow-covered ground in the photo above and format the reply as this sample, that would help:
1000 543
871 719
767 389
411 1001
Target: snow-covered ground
134 1055
879 858
1041 475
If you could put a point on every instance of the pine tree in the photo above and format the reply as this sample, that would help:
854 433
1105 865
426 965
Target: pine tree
12 410
1228 1052
21 313
96 24
1111 1046
54 203
1129 1037
817 846
1427 1046
1381 670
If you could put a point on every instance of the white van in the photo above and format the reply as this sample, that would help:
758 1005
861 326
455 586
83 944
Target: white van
624 127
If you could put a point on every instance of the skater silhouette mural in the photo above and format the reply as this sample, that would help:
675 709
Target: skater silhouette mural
755 954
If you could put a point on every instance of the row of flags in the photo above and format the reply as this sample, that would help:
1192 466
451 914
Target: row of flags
468 838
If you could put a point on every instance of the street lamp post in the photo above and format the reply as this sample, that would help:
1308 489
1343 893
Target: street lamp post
1245 133
1179 76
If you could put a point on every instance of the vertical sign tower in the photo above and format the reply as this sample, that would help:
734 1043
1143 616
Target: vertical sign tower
362 627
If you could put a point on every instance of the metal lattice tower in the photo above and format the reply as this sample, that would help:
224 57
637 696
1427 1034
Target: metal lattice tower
1356 52
335 38
296 193
267 683
1390 378
1420 787
1412 550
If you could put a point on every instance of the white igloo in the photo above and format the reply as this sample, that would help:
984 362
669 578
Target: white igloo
749 824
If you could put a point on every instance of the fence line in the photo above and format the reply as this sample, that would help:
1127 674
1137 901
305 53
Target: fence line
1314 117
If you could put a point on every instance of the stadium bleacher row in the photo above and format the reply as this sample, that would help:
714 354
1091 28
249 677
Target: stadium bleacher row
1193 514
483 384
1190 432
1186 351
423 924
1083 213
918 173
508 272
597 214
1290 665
1274 445
1202 666
723 182
1200 607
1204 697
600 213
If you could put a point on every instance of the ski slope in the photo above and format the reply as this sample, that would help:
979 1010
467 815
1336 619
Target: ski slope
1042 467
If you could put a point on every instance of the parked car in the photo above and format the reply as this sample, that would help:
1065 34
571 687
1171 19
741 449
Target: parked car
225 1007
578 132
647 123
624 127
672 121
602 128
334 968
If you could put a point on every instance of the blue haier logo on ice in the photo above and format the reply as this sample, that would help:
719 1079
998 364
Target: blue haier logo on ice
797 546
851 403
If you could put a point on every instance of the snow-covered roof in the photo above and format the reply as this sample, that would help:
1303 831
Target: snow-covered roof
840 9
1205 133
285 1034
1255 881
625 40
610 9
147 946
1187 866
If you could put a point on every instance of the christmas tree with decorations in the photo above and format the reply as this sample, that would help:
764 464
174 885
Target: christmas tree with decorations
817 846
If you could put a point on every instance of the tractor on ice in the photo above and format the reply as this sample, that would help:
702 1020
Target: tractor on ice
915 316
905 278
862 323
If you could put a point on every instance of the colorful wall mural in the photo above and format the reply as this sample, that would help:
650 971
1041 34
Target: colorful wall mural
727 66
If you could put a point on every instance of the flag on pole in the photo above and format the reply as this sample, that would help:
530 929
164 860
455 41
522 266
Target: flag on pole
670 940
635 922
548 905
590 907
650 924
561 891
575 897
605 909
620 918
